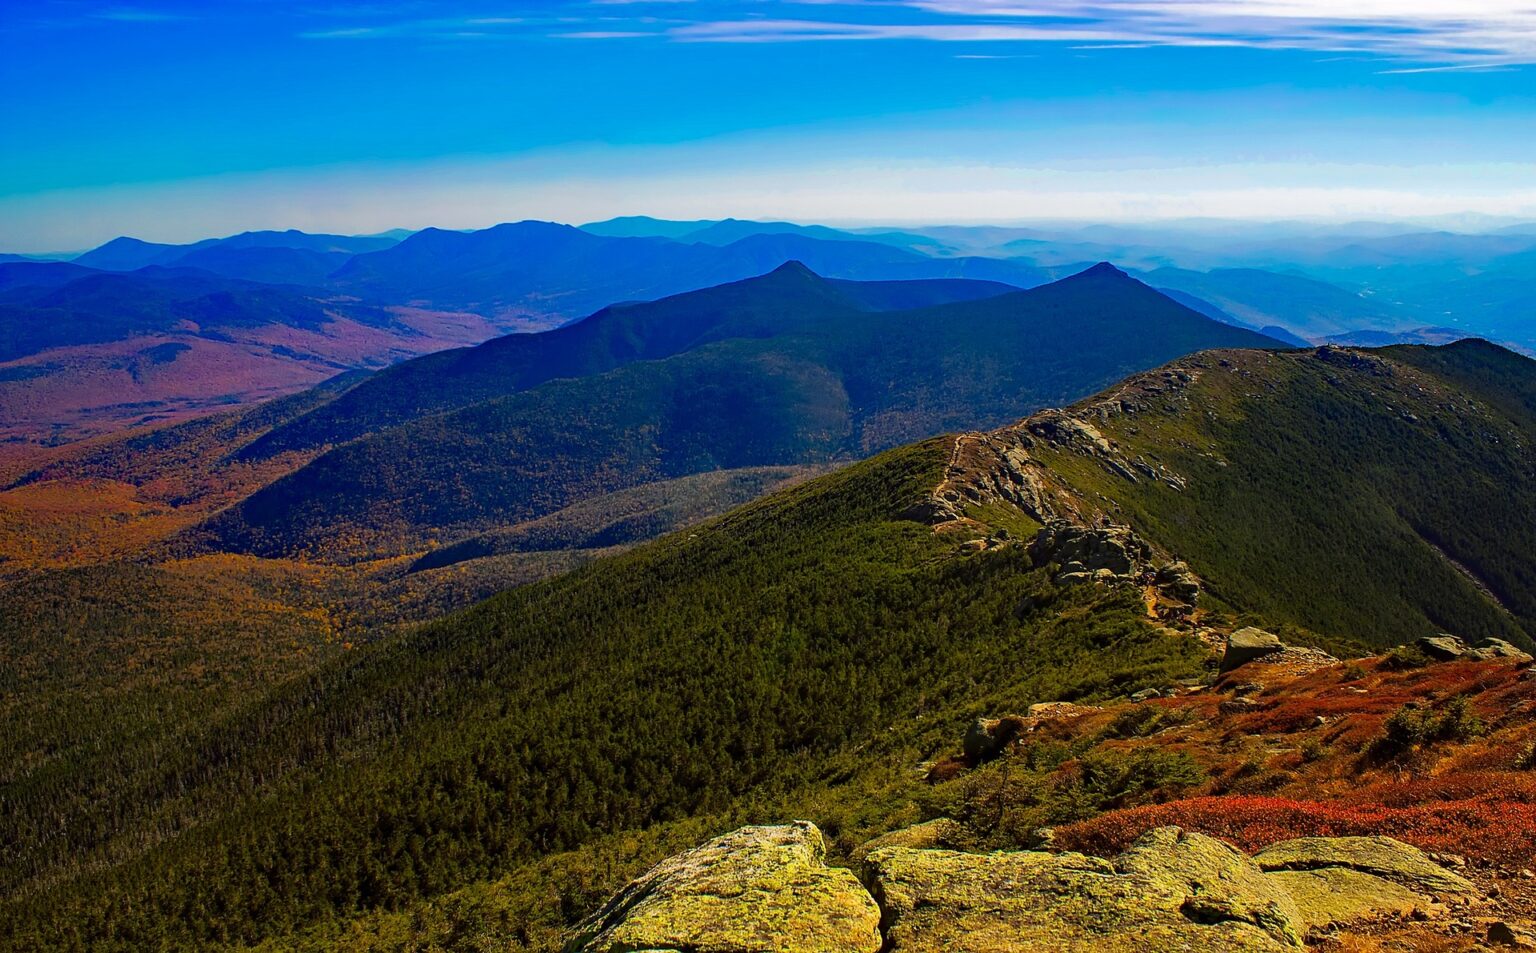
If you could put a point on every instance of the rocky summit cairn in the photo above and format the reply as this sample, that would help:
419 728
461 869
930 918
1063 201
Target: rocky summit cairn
755 890
766 890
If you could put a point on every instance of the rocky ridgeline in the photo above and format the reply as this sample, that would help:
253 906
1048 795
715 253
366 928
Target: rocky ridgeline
999 466
769 890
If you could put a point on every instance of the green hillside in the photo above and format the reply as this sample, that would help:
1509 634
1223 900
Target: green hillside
740 661
796 657
1375 495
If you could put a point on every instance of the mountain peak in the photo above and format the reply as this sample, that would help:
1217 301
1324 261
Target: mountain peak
1102 270
794 266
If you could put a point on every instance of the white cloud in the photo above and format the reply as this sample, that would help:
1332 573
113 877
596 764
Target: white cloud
1452 32
1474 31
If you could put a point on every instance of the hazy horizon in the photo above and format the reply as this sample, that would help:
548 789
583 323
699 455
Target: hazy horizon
358 118
1168 229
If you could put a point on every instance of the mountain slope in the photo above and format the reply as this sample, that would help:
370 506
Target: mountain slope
787 298
797 657
804 606
775 371
86 352
1379 496
608 339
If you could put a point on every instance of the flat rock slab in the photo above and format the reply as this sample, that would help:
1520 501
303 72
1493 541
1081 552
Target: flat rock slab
755 890
1382 857
1172 891
768 890
1338 896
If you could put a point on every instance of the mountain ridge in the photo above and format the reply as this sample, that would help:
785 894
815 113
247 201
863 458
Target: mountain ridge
779 370
797 656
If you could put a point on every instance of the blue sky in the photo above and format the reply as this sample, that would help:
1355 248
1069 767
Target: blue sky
176 120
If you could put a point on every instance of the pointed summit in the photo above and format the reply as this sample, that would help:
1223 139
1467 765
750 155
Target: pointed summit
1102 270
794 267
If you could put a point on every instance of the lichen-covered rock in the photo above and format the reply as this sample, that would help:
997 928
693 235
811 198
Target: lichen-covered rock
1171 891
1443 647
929 835
1245 645
1223 884
1382 857
1338 896
1498 648
756 890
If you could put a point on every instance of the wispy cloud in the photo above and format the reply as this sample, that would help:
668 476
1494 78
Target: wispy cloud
1487 32
1471 33
136 15
1440 29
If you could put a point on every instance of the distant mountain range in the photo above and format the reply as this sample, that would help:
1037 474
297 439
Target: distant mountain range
149 335
130 254
788 368
532 269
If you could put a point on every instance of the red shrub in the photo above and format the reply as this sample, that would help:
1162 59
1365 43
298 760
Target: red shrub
1486 827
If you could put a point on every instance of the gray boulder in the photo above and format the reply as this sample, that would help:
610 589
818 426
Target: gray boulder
1177 581
1443 647
1245 645
756 890
1489 649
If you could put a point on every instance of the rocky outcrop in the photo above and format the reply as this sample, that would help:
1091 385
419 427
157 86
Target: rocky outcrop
767 890
1003 466
1381 857
1448 648
987 737
990 468
1171 891
1442 648
1114 554
756 890
1178 582
1085 554
1338 896
936 834
1350 359
1498 648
